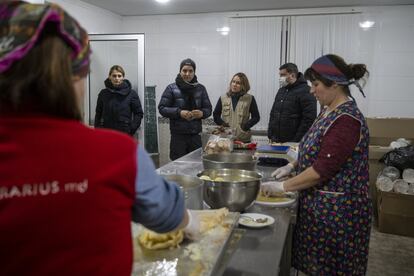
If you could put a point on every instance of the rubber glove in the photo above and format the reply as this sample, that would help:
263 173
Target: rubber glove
272 188
193 229
283 171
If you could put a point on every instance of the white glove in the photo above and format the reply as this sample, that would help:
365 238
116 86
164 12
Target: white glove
283 171
192 231
272 188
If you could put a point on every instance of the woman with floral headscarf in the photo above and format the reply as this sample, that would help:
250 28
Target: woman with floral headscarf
334 212
65 205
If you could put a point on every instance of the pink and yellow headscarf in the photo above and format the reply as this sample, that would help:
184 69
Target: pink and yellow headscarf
21 26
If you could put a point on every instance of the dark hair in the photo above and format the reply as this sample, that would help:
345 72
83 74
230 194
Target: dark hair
117 68
189 62
290 68
41 81
244 83
351 71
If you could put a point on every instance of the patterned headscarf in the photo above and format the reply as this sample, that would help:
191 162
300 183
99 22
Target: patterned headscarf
21 26
327 69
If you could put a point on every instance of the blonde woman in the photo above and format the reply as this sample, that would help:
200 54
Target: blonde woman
237 109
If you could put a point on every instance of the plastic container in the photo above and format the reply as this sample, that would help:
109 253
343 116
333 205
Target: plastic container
400 186
408 175
391 172
385 184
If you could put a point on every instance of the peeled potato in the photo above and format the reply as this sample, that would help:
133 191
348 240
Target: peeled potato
205 177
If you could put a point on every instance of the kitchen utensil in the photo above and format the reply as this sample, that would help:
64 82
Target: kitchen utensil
192 188
255 220
240 161
232 188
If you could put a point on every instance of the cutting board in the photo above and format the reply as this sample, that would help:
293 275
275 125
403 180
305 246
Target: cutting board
273 149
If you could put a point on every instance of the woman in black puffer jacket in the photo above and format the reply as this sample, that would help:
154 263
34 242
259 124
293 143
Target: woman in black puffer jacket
118 105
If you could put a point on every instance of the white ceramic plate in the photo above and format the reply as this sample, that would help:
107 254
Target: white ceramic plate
248 220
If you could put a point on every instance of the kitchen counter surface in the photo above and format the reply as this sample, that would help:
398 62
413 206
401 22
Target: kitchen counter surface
264 251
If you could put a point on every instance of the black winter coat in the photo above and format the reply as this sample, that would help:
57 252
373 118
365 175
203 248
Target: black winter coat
118 108
293 112
173 100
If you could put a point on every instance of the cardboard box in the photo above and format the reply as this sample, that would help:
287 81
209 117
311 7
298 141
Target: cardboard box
396 213
382 132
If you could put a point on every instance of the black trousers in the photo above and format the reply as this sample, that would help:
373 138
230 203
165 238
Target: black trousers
181 144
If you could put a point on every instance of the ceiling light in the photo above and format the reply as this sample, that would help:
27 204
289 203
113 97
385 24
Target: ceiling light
162 1
223 30
366 24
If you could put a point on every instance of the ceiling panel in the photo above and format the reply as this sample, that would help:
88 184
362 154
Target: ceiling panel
151 7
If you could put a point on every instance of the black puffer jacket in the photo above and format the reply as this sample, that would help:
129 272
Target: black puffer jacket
118 108
293 112
173 100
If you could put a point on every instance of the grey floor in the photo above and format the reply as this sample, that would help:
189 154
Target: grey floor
389 255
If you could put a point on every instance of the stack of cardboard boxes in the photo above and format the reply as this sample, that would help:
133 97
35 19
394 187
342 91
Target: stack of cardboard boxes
393 212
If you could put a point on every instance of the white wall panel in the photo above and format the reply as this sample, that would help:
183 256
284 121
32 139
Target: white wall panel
254 49
170 39
93 19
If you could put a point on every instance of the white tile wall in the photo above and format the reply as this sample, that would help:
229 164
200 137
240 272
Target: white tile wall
387 50
92 18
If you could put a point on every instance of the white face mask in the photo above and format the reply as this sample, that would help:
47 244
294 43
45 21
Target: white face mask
283 81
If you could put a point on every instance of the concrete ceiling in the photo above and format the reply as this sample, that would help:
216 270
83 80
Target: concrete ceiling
151 7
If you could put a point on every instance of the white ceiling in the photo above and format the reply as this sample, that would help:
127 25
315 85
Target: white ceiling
150 7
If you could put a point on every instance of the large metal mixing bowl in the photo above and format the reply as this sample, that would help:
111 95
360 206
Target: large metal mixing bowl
231 188
240 161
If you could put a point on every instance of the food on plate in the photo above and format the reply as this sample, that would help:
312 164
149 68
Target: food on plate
279 197
152 240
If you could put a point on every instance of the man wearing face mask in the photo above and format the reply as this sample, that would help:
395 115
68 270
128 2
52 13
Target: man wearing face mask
294 108
185 102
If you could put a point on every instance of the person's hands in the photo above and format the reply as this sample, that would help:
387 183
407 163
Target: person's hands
272 188
197 114
187 115
193 229
283 171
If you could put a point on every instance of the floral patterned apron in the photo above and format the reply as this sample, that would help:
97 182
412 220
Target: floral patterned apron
334 217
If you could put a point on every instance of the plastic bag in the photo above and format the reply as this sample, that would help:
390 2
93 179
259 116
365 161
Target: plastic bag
216 144
401 158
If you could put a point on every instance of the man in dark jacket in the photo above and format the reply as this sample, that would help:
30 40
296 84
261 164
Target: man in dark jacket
294 108
185 102
118 105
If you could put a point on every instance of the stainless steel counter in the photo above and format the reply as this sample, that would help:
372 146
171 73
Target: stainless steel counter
264 251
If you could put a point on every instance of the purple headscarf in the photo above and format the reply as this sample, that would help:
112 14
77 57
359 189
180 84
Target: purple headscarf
21 26
327 69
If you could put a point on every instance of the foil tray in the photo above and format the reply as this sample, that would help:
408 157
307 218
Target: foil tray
192 258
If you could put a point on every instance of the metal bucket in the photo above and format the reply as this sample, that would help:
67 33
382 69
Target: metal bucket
192 188
239 161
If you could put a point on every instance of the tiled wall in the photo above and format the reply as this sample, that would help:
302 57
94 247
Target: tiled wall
387 49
